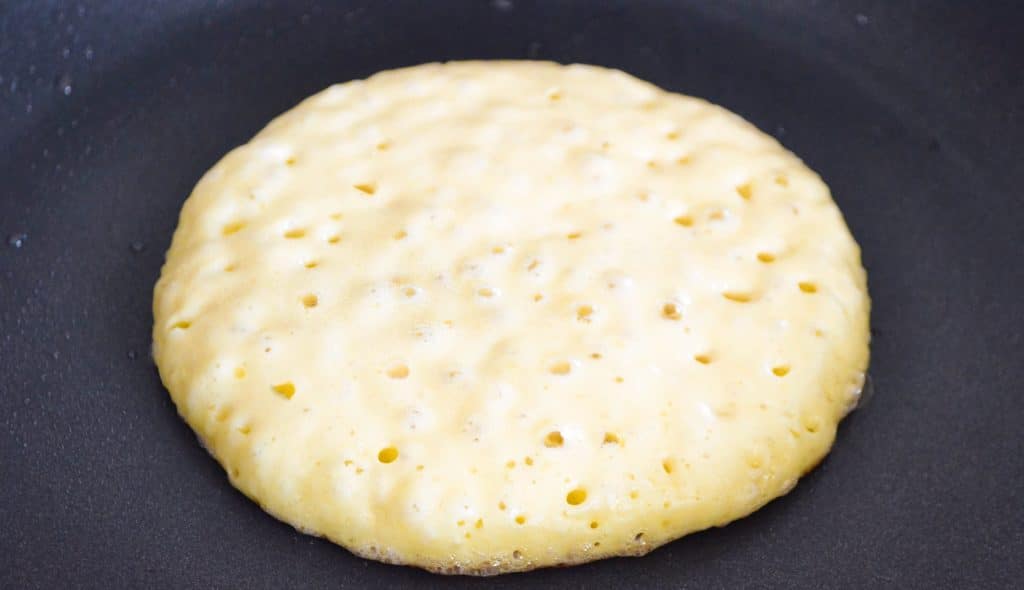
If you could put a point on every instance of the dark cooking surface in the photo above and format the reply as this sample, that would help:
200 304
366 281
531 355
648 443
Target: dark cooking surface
913 113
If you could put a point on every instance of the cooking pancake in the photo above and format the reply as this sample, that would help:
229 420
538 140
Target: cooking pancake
481 317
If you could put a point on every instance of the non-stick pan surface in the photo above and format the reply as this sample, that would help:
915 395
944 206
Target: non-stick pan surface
913 112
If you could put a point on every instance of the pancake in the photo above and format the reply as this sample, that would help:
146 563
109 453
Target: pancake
482 317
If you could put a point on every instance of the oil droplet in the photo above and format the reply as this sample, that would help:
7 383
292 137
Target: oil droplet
64 84
138 246
132 355
17 240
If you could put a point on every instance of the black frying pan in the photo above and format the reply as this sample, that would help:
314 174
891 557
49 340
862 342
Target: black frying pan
913 111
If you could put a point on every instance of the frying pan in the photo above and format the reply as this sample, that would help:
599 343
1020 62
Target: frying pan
912 111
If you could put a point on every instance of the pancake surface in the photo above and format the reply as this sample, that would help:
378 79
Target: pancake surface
490 316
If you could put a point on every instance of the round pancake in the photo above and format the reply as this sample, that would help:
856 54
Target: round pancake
482 317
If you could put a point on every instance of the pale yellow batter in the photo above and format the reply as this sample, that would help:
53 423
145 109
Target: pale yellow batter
490 316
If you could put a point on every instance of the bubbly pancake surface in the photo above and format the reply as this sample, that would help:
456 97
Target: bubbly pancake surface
490 316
